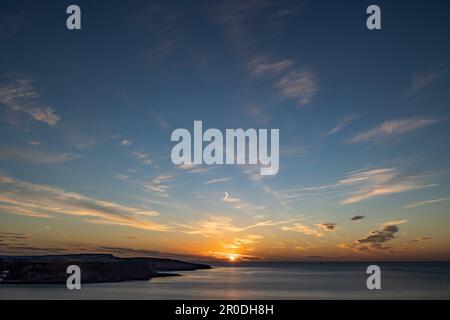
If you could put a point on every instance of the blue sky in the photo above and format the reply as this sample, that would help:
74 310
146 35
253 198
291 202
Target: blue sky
86 118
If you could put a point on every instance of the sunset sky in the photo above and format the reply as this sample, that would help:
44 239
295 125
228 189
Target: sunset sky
86 118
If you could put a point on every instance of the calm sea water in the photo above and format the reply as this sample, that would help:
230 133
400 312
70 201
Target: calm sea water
265 281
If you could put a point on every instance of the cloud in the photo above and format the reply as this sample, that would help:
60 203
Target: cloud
126 142
394 222
424 79
240 204
298 85
260 66
79 138
25 249
258 113
30 199
243 242
192 168
298 227
12 238
35 156
294 150
212 226
342 123
378 191
357 218
390 129
219 180
419 239
21 96
380 182
361 185
426 202
122 177
159 185
328 226
219 225
240 18
143 157
160 121
377 238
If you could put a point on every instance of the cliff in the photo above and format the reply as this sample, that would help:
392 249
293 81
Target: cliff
95 268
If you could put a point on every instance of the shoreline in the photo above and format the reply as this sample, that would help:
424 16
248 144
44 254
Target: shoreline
94 268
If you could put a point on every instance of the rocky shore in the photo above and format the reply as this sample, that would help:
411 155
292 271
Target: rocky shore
95 268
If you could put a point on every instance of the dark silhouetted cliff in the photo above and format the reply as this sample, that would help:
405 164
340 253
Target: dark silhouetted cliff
95 268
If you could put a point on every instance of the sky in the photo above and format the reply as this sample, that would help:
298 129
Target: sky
86 118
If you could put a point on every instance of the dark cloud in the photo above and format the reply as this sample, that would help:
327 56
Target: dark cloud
377 238
25 249
420 239
13 243
329 226
357 218
11 236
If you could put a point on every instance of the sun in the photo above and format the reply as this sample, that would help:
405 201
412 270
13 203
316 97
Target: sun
232 258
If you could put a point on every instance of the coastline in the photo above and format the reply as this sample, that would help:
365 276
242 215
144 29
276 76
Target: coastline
95 268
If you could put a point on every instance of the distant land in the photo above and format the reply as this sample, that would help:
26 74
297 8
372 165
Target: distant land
95 268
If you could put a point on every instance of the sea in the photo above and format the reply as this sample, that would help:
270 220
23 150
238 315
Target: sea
271 281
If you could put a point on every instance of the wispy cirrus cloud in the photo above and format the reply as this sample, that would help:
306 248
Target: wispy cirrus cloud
238 18
8 239
193 168
143 157
261 66
240 204
425 202
342 123
391 128
424 79
21 96
158 186
160 121
218 180
302 228
38 200
35 156
298 85
381 182
243 243
222 225
316 230
298 227
259 114
362 185
292 82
